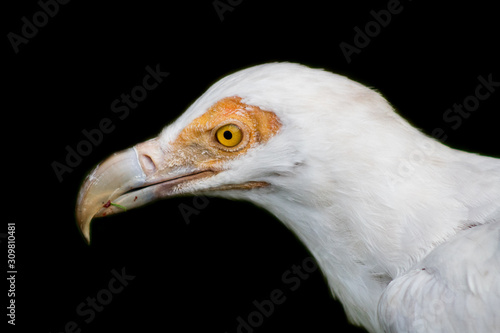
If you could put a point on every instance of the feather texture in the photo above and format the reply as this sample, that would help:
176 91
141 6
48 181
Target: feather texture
340 180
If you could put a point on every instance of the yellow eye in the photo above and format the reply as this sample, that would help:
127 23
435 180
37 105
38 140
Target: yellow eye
229 135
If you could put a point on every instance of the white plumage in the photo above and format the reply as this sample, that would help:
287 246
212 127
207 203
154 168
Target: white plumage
404 250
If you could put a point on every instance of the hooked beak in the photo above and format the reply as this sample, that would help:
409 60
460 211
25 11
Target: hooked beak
130 179
161 168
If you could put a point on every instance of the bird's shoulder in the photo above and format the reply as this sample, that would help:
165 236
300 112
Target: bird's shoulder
456 288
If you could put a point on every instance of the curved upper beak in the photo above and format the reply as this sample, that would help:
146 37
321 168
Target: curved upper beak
129 179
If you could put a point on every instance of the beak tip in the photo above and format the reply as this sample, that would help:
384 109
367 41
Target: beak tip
100 185
84 227
86 234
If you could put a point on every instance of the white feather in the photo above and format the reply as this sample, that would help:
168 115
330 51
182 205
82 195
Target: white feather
339 180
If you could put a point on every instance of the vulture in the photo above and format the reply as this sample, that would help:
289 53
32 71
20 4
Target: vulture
405 229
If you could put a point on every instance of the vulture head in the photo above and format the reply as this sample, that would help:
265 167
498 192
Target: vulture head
329 157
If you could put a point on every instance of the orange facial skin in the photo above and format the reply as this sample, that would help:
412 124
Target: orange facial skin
155 169
197 144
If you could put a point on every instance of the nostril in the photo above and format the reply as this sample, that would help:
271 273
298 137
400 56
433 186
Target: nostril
147 164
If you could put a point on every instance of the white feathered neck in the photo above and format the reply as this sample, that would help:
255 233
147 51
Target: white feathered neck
368 194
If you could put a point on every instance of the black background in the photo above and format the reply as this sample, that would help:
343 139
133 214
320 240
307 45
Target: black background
200 276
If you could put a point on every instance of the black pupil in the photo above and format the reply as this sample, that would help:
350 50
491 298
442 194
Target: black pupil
228 135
